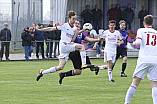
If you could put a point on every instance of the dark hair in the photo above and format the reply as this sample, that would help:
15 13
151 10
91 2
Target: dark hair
112 21
71 13
148 19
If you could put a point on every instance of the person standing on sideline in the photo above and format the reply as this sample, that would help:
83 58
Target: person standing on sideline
141 15
69 33
147 58
122 49
5 37
57 34
113 38
97 16
119 16
49 37
39 37
112 13
128 15
27 43
87 15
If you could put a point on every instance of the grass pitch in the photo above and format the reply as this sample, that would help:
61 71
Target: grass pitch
18 85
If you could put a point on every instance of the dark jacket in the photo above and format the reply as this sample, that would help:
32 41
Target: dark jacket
87 15
39 35
128 15
50 34
119 14
97 15
5 35
26 38
57 34
142 14
112 13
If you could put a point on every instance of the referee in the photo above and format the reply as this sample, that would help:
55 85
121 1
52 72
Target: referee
122 49
76 58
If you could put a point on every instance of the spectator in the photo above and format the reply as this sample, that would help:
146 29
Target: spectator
112 12
34 26
94 46
39 37
49 37
57 34
119 16
31 30
27 43
128 15
87 14
5 36
97 16
141 15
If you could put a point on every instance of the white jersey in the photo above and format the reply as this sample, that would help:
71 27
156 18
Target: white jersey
111 39
148 45
67 32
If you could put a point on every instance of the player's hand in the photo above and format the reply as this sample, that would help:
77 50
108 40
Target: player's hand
101 39
117 44
94 47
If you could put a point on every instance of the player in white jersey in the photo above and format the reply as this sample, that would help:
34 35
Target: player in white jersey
113 38
68 34
147 59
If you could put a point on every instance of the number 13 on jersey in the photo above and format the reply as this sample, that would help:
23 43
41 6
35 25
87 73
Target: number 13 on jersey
149 38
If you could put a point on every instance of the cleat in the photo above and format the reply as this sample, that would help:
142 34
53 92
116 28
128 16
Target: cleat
87 66
61 77
96 70
40 74
112 80
123 75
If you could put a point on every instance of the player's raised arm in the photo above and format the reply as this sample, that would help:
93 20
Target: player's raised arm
47 29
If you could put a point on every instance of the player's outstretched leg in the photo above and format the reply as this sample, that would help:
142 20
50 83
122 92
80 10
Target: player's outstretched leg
52 69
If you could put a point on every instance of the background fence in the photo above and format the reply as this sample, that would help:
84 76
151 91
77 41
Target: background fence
19 14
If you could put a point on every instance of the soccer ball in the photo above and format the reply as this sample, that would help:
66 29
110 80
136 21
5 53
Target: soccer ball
87 27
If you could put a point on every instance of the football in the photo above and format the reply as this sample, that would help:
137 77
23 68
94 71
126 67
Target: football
87 27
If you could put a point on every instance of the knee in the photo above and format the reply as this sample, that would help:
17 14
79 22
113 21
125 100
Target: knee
78 72
125 59
60 68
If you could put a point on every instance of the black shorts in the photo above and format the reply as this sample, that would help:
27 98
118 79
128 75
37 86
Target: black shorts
121 52
76 59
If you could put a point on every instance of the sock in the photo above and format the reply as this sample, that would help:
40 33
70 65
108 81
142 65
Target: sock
83 57
51 70
110 74
130 93
123 67
69 73
154 95
113 66
102 67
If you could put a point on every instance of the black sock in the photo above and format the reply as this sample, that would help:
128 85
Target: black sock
123 67
113 66
69 73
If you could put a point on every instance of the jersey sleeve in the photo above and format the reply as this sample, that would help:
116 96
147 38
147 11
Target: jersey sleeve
60 27
103 35
83 36
138 38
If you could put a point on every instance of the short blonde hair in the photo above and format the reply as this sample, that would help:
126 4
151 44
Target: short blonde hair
122 21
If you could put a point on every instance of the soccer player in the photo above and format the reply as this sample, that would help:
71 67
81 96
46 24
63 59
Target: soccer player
68 34
76 59
122 49
113 38
147 59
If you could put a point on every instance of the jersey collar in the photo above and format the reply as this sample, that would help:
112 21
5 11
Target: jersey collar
111 31
70 25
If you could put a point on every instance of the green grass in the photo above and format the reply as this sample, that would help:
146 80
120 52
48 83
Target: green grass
18 85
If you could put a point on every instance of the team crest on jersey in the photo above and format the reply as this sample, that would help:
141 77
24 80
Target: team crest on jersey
67 29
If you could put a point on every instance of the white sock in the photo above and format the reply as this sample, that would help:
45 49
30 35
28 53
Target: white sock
110 74
154 95
130 93
83 57
51 70
102 67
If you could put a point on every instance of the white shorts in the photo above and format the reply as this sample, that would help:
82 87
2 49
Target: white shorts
65 49
109 56
143 68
